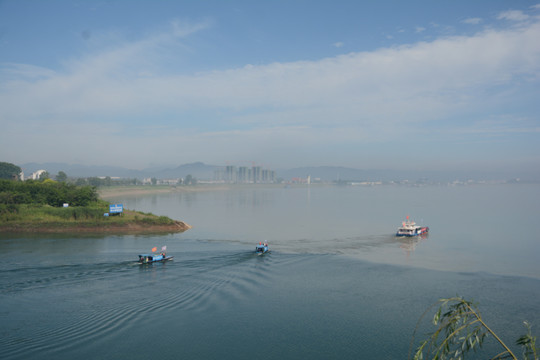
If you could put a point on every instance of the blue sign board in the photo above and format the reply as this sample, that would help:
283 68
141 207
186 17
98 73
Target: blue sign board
116 208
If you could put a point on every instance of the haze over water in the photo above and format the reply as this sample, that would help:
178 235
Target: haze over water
489 228
337 284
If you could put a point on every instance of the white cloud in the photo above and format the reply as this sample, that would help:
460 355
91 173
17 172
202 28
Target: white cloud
184 28
358 97
472 21
339 44
24 71
454 63
513 15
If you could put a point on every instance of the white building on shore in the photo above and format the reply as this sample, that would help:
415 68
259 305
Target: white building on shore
36 175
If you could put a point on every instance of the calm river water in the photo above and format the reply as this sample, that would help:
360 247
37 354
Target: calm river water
337 285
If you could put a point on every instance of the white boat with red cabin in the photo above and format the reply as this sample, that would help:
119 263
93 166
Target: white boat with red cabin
409 228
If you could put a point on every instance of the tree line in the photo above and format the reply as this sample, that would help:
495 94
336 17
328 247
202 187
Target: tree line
47 192
10 171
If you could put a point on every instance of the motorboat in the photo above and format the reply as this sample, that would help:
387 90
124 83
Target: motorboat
154 257
409 228
261 248
151 258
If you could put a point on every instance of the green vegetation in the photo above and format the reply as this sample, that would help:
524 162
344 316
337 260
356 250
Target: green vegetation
109 182
106 181
190 180
46 192
62 176
9 171
460 328
39 206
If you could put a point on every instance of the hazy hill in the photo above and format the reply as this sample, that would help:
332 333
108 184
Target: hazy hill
339 173
203 171
198 170
76 170
336 173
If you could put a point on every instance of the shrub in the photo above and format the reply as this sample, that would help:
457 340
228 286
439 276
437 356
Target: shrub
48 192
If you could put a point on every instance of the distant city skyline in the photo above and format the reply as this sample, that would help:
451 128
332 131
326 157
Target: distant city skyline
424 85
244 174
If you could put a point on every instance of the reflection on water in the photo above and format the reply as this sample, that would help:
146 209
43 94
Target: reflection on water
408 244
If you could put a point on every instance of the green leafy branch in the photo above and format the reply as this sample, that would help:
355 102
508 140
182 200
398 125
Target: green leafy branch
460 329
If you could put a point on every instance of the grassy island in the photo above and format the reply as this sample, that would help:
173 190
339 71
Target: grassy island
51 206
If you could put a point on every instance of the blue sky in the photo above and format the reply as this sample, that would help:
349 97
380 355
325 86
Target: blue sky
447 85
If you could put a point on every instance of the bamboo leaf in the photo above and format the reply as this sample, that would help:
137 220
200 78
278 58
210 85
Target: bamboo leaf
463 328
437 317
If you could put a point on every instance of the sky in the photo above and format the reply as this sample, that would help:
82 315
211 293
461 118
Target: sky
387 84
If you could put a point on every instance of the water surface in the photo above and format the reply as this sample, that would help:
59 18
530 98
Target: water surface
337 283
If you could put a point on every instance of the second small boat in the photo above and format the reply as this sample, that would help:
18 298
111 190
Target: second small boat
261 248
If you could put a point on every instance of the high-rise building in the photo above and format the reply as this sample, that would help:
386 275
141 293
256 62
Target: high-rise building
243 174
256 174
230 173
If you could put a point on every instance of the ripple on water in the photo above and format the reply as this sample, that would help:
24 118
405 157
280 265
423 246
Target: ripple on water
86 303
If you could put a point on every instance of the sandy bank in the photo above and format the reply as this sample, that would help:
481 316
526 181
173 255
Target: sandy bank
115 191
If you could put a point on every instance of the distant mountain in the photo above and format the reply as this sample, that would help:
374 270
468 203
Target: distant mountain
198 170
203 171
337 173
76 170
325 173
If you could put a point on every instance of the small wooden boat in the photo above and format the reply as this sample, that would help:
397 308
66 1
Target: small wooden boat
152 258
261 249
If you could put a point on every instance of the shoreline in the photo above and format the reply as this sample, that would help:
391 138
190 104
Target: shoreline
130 222
135 190
127 228
133 223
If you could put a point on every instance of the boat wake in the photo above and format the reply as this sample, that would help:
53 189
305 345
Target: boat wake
92 302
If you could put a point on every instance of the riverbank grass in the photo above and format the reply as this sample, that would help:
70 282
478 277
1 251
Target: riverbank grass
47 218
51 206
